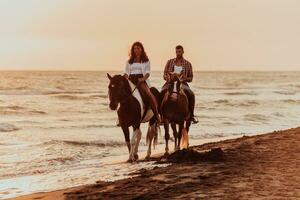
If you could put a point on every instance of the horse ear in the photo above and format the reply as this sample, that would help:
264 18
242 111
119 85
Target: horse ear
109 76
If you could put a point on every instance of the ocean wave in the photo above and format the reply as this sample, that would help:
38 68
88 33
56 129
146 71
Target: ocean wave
78 97
15 88
246 103
19 110
256 118
206 135
60 160
71 92
79 126
12 108
99 96
285 92
292 101
240 93
101 144
277 114
224 88
8 127
71 97
222 101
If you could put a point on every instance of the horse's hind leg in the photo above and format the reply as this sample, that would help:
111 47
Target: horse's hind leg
151 134
135 141
167 136
175 134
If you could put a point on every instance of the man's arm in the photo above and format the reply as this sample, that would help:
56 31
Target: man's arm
166 71
188 77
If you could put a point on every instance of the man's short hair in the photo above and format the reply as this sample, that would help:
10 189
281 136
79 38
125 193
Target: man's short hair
179 47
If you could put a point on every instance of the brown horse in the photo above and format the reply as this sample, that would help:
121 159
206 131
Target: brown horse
175 111
129 114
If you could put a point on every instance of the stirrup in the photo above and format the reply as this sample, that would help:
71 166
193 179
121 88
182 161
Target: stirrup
193 120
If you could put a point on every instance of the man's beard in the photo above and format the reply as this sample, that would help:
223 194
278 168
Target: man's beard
179 56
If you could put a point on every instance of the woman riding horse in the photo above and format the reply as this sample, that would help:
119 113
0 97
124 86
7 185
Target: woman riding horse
122 93
137 70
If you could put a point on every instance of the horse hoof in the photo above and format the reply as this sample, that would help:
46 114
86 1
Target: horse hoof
147 158
136 157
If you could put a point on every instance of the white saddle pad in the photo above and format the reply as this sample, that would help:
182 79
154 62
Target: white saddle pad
138 96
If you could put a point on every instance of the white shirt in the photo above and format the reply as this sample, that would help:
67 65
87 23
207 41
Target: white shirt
177 69
138 68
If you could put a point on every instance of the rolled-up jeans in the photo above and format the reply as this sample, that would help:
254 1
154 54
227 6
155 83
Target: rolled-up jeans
145 92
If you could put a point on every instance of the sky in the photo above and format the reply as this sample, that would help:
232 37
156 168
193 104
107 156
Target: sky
97 34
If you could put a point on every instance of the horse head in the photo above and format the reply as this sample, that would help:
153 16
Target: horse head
118 90
175 81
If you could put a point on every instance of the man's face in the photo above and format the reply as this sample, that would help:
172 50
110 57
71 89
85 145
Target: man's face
179 53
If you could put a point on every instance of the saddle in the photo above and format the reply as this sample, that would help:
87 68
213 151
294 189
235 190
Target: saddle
146 111
176 94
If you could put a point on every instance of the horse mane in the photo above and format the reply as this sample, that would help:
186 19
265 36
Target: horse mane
126 84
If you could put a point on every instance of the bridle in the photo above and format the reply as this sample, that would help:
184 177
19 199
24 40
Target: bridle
127 96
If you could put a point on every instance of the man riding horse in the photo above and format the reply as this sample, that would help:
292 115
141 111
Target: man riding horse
183 68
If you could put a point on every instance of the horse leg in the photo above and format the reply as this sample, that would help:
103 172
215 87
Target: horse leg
167 136
181 125
149 138
138 136
188 124
175 134
126 135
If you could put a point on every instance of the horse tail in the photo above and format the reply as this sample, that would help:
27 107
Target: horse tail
156 131
184 144
152 134
148 136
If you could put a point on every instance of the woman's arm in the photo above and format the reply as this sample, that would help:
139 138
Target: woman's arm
127 70
147 72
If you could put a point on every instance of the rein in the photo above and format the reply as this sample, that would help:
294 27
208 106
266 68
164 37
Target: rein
131 94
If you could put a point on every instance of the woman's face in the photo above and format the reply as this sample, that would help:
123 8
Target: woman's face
137 50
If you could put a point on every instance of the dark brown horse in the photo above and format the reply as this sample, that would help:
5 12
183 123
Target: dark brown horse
129 114
175 111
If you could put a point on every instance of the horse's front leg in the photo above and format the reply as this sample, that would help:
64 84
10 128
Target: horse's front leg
167 136
175 134
126 135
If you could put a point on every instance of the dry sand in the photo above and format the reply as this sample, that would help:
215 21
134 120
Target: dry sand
258 167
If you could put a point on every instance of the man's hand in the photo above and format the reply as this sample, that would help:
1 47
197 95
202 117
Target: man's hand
183 77
168 78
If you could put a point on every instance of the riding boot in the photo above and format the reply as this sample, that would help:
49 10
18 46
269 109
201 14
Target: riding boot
191 98
152 101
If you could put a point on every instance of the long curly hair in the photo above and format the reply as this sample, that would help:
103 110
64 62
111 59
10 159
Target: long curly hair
144 57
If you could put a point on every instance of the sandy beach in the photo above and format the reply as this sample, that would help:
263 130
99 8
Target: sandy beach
257 167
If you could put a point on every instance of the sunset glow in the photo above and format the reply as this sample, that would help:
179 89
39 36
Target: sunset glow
96 34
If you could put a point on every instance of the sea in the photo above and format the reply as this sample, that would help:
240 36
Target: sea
57 131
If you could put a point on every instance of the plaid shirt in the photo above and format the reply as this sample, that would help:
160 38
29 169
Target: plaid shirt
187 69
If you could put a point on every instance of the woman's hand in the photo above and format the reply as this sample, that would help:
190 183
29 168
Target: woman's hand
126 76
141 79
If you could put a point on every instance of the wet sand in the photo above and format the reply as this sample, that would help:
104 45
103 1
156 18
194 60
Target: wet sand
257 167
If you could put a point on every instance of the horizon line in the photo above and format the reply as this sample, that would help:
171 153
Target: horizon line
76 70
